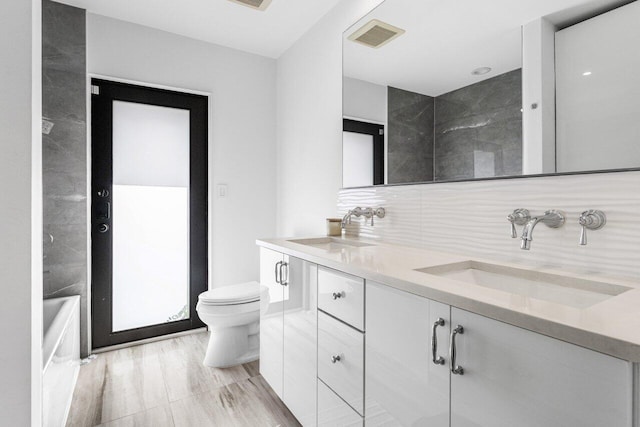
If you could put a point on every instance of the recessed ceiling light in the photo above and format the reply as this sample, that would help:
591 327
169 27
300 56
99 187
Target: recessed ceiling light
376 34
480 71
254 4
586 73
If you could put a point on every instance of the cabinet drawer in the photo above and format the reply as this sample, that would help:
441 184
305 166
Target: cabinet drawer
346 375
341 295
332 411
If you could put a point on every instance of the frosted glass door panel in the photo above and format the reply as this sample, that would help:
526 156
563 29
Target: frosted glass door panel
357 159
150 215
150 256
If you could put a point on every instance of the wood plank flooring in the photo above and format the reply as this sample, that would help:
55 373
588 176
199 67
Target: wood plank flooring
165 384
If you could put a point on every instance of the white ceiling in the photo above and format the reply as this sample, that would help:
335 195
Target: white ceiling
445 40
268 33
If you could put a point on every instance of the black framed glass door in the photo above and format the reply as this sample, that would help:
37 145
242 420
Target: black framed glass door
149 211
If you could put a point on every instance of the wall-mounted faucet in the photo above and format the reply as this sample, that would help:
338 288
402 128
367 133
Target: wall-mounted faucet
368 213
518 217
592 220
551 218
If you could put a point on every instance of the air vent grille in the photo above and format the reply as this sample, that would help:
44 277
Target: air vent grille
254 4
376 34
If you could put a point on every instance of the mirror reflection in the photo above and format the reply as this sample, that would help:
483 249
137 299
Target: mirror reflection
467 90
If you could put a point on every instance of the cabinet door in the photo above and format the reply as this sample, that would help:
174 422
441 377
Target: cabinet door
515 377
300 338
271 331
403 385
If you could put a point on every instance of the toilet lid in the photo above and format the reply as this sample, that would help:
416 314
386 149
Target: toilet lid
234 294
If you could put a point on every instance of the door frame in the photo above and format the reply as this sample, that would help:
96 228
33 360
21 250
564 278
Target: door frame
173 328
377 131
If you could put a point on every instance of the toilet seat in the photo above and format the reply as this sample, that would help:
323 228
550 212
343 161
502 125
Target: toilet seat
242 293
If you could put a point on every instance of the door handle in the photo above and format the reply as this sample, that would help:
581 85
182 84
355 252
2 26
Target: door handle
455 369
438 360
276 270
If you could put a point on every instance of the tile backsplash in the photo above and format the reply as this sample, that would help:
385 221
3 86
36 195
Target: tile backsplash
470 218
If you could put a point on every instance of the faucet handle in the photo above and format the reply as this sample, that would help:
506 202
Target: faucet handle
379 212
518 217
592 220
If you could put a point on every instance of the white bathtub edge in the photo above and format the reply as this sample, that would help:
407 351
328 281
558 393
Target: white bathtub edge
61 321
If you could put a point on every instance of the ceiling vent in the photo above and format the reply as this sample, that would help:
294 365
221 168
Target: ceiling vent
376 34
254 4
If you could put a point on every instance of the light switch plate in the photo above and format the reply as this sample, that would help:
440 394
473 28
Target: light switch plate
222 191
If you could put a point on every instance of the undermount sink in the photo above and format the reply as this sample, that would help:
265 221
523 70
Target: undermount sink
330 243
565 290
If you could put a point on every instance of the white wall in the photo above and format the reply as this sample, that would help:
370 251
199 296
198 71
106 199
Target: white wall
364 100
20 213
242 133
310 122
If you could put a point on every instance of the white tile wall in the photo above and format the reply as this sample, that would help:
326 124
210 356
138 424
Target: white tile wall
470 218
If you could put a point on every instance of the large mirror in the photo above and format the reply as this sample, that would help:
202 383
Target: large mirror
473 89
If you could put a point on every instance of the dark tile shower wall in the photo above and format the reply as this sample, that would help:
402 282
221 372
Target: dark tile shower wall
64 156
409 137
478 129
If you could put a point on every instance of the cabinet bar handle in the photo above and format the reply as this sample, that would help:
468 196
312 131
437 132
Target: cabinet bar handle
276 271
337 295
284 280
438 360
455 369
335 358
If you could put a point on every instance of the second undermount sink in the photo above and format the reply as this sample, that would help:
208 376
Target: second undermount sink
565 290
330 243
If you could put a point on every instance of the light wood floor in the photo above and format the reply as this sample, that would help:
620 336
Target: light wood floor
165 384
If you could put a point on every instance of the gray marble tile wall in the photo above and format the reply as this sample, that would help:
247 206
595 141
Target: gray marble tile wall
478 129
64 156
409 137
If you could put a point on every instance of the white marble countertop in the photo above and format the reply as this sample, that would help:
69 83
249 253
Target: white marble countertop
611 326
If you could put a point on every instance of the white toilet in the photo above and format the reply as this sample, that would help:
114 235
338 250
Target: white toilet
232 314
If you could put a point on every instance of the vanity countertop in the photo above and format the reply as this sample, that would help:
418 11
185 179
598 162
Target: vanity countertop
610 326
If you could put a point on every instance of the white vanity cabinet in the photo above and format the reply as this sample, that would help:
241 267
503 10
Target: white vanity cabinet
333 411
403 385
272 321
288 332
512 376
341 338
509 376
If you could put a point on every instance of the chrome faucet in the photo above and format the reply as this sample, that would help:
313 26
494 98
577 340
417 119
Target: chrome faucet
518 217
590 220
551 218
347 218
368 213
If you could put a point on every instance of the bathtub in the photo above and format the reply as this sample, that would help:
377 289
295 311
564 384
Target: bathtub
60 357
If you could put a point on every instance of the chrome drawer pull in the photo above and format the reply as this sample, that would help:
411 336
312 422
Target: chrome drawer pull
337 295
438 360
335 359
455 369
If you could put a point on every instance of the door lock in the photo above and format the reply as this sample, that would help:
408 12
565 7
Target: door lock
103 228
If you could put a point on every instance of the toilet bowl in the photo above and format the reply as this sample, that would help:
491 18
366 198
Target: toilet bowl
232 314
